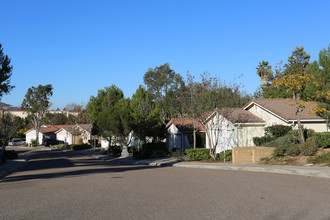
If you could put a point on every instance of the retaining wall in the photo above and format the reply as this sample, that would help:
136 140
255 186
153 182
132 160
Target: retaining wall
251 154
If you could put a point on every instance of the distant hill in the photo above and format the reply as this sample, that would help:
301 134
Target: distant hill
8 107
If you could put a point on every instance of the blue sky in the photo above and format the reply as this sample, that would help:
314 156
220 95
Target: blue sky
82 46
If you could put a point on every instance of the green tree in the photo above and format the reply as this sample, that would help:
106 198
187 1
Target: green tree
264 70
8 127
163 83
144 113
100 110
36 104
5 73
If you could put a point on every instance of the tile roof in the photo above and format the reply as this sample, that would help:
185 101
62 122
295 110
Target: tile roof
237 115
51 128
186 124
87 127
284 108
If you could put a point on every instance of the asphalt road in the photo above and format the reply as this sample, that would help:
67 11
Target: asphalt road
59 185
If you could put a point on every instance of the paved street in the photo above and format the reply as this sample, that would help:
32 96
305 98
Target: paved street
65 185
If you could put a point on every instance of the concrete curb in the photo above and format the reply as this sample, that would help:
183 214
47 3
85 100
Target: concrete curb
323 172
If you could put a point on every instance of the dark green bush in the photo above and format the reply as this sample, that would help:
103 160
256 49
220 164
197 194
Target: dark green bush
322 139
228 155
198 154
115 150
276 131
177 153
91 142
293 150
279 151
151 150
309 148
132 149
261 141
34 143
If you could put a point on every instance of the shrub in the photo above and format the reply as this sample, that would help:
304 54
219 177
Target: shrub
228 155
266 159
132 149
80 141
91 142
151 150
198 154
276 131
309 148
322 139
60 146
177 153
34 142
115 150
260 141
293 150
279 151
323 158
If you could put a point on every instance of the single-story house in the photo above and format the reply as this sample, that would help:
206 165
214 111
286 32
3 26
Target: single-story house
282 112
45 131
235 127
105 143
177 131
72 134
232 127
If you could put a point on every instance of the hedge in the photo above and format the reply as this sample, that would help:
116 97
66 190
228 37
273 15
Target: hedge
198 154
322 139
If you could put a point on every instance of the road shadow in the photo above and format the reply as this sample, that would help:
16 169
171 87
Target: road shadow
50 164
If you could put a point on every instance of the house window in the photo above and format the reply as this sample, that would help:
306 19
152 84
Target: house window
255 108
85 137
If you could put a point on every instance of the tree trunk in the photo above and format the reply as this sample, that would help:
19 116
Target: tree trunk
300 127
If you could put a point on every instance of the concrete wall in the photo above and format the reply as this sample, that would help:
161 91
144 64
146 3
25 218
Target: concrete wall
251 154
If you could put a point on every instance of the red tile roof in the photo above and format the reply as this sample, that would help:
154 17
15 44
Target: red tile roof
186 124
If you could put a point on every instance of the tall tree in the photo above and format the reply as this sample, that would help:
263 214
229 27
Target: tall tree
8 127
100 110
36 104
5 73
144 113
264 70
162 82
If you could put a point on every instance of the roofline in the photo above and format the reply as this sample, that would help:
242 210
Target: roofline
287 121
257 123
309 120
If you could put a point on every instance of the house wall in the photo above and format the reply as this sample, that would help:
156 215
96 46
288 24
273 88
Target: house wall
246 133
21 114
176 139
64 136
31 135
317 127
266 116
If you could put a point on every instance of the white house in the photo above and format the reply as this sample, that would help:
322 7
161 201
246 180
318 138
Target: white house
45 131
177 131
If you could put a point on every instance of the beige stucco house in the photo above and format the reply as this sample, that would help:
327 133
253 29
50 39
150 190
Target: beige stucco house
235 127
72 135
